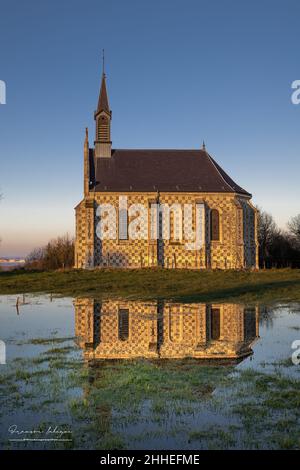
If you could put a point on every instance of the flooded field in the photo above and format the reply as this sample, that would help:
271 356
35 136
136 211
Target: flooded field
117 374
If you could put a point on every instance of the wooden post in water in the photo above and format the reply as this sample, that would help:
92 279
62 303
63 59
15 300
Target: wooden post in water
17 305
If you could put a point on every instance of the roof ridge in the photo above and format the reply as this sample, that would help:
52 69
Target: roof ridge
159 150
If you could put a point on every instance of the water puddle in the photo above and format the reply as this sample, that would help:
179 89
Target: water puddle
115 374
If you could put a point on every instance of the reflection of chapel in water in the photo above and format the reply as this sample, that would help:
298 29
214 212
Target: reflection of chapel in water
114 329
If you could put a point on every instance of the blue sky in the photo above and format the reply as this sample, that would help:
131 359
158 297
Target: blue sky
178 72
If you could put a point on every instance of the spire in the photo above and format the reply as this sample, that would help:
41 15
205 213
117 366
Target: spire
103 99
103 119
203 146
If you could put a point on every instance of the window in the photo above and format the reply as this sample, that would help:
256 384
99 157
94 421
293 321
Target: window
214 225
160 225
123 224
123 324
215 323
249 323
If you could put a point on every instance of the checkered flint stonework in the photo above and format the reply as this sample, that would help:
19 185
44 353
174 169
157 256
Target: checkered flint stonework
236 247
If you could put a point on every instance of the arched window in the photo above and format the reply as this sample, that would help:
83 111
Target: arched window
214 225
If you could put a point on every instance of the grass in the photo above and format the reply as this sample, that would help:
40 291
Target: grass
123 404
45 341
211 285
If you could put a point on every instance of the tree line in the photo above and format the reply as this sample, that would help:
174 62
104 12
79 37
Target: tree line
277 248
57 254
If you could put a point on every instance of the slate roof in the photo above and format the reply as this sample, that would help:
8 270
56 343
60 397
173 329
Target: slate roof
160 170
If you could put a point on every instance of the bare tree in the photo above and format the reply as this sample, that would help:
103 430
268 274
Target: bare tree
58 253
294 227
267 232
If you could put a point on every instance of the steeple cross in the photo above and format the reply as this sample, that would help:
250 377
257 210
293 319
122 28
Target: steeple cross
103 62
